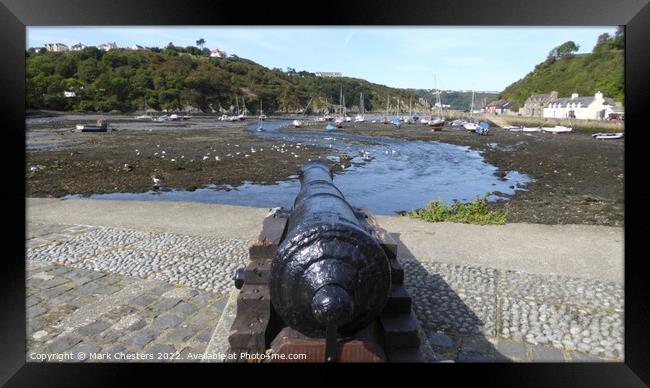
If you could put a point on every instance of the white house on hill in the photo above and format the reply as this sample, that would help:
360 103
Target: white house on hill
107 46
78 47
217 53
56 47
586 108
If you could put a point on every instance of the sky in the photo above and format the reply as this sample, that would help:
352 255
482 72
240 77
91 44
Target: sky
455 58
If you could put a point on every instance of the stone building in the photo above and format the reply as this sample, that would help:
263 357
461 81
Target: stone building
596 107
535 104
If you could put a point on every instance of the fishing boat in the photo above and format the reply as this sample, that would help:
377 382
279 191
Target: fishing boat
145 116
605 136
557 129
101 126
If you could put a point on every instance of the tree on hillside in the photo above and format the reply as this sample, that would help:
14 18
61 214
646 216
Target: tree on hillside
200 43
563 50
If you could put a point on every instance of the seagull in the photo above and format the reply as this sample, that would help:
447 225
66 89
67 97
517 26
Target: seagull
156 181
217 158
205 158
173 160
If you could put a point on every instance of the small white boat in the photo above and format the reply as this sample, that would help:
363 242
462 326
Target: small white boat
557 129
618 135
457 123
359 119
531 129
513 128
101 126
348 119
470 126
144 117
437 123
174 117
297 123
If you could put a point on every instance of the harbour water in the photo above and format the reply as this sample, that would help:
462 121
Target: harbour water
385 175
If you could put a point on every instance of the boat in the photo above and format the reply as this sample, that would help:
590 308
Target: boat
174 117
513 128
298 123
531 129
262 116
330 127
162 118
457 123
360 118
557 129
470 125
483 128
242 116
145 116
437 123
101 126
617 135
385 119
397 122
340 119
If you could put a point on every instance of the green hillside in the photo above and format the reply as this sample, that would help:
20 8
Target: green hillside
175 77
568 73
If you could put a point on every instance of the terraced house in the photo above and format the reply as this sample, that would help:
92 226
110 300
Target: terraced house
596 107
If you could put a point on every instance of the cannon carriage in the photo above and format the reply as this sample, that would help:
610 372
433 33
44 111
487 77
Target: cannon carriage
323 280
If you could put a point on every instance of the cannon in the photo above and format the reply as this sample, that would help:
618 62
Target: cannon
322 274
329 276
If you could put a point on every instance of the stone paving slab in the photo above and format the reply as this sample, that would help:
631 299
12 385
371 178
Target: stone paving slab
112 324
121 290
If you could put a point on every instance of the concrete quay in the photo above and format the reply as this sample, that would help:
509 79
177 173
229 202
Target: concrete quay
150 281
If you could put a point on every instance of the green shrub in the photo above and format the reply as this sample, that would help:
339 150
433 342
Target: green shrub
475 212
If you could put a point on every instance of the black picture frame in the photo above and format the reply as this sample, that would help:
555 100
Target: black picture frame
15 15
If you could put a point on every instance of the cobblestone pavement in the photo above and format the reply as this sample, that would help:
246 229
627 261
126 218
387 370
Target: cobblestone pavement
109 290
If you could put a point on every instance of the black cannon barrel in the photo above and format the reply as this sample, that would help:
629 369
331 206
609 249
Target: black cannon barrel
328 271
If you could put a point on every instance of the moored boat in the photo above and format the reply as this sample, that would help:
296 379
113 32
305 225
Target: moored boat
531 129
605 136
100 126
557 129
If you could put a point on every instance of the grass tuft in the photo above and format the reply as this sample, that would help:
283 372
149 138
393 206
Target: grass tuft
475 212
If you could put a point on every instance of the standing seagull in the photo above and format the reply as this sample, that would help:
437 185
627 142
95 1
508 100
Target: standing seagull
156 181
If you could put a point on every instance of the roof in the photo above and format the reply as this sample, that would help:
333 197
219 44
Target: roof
500 104
584 101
